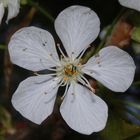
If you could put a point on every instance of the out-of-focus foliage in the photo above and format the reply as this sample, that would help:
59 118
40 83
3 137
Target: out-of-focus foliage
24 2
5 123
118 129
2 46
136 34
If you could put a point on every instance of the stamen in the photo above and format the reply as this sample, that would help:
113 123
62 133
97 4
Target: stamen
66 90
58 45
86 82
62 83
79 57
58 83
65 78
35 73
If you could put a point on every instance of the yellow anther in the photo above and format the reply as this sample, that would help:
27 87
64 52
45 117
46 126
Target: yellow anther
79 64
70 70
65 78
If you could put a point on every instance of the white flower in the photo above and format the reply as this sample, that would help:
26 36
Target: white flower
34 49
134 4
13 8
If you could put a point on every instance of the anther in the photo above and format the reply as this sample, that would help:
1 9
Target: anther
65 78
35 73
58 45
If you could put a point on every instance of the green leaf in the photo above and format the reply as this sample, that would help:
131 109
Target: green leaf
136 34
5 117
23 2
2 46
2 137
138 138
118 129
135 137
136 48
6 122
132 104
137 83
133 17
129 130
111 131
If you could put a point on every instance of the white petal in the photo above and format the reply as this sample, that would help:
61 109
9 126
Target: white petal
84 111
35 97
1 11
77 27
134 4
113 67
33 48
13 9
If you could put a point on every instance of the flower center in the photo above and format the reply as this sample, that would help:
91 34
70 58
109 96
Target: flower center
69 69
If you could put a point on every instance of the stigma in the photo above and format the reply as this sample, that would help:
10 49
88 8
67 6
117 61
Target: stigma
69 69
